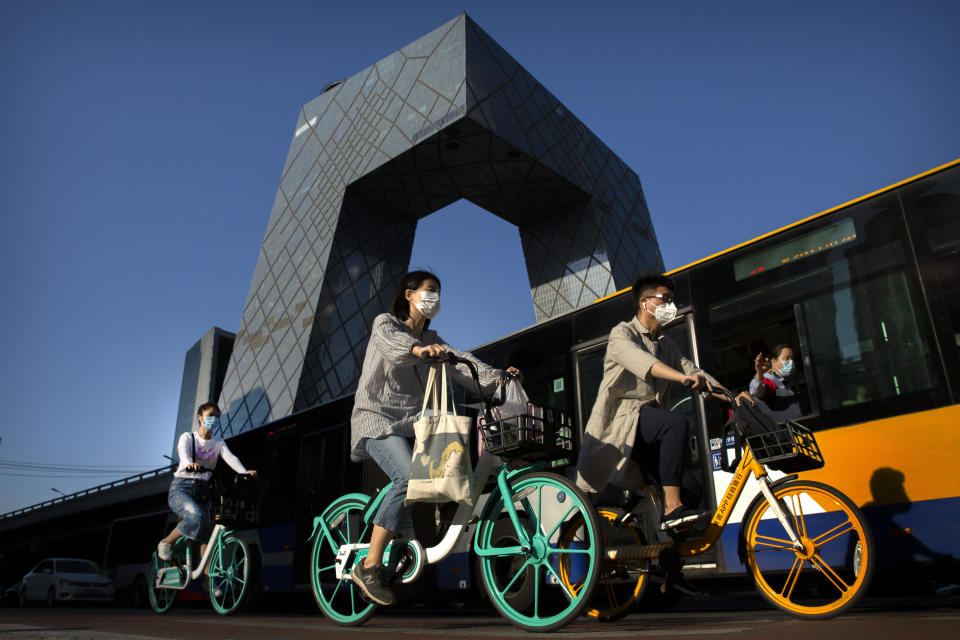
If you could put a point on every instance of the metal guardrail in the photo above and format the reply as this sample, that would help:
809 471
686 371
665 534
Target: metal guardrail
146 475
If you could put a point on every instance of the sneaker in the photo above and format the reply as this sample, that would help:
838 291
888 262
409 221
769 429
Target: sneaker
371 583
680 516
164 550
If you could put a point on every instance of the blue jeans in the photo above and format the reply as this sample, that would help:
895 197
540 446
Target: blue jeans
393 455
191 500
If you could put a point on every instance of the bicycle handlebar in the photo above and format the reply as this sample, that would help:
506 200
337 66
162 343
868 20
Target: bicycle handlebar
714 389
475 374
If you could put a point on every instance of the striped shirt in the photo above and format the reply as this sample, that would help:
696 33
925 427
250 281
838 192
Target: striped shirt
390 391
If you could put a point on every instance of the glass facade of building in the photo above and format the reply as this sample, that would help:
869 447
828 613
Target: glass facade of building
449 116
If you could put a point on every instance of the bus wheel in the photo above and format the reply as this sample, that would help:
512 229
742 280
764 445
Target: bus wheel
138 592
832 570
340 600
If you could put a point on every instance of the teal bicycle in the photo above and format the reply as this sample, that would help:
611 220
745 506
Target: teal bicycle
534 526
231 566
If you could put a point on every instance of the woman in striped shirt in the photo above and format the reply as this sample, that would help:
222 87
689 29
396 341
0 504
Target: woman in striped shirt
389 397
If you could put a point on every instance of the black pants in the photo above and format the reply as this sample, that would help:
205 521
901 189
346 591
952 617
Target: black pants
659 450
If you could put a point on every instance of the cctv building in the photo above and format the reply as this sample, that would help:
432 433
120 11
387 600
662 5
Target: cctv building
449 116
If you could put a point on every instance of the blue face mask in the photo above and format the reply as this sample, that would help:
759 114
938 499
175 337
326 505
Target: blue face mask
211 422
786 368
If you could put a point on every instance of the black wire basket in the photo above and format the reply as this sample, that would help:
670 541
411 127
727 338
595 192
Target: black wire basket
790 449
542 433
240 504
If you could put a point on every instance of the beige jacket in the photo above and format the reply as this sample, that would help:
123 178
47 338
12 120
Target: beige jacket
627 385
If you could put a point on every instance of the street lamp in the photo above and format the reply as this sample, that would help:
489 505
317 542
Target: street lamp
58 491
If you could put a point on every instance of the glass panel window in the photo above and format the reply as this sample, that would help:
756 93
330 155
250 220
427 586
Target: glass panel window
936 203
853 313
865 343
590 372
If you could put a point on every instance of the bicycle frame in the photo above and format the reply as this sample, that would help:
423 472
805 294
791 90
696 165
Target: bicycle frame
170 577
347 554
748 466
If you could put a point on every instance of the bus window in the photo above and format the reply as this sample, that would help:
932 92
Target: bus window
866 343
853 308
736 346
933 205
589 375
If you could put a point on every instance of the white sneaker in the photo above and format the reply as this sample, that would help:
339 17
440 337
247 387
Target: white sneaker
164 550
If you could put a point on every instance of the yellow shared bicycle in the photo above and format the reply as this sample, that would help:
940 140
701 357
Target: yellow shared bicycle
805 545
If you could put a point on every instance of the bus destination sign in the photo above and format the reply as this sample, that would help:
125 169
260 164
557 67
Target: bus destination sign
811 244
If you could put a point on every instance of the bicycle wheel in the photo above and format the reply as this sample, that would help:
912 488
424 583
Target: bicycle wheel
160 599
229 574
340 600
563 530
833 569
622 583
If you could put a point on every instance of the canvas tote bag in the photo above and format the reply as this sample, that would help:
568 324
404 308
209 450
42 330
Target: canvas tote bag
440 469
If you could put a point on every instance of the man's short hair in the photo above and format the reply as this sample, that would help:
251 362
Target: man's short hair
647 285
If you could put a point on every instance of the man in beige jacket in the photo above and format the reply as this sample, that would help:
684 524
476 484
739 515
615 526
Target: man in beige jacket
628 421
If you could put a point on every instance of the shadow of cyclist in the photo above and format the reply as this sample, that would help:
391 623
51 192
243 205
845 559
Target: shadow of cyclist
906 566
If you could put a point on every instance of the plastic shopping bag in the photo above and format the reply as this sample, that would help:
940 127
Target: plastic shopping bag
440 469
515 400
517 417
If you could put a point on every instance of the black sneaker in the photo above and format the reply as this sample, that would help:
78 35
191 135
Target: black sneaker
680 516
371 583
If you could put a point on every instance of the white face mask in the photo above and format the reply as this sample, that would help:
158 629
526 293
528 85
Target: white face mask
664 313
429 304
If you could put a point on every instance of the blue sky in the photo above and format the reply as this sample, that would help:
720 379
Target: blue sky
142 145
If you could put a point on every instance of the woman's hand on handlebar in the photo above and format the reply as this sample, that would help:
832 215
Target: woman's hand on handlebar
252 473
429 352
513 371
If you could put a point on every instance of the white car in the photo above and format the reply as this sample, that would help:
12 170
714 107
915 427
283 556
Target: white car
66 580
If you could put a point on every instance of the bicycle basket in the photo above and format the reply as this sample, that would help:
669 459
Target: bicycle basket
542 433
240 504
789 449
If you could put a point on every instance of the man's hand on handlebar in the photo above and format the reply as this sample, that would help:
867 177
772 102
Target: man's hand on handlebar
513 371
700 384
742 397
251 473
697 383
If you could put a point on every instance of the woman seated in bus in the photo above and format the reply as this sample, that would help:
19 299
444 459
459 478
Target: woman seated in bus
770 387
389 397
189 496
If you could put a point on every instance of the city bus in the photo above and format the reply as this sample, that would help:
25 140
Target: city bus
866 293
